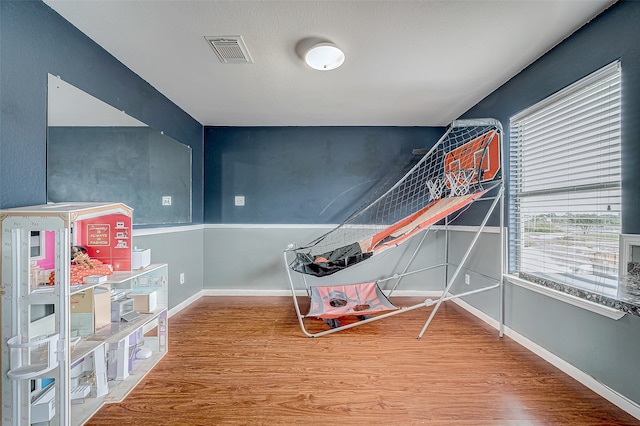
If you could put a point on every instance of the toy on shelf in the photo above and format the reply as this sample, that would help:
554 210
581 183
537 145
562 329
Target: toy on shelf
80 257
82 266
77 273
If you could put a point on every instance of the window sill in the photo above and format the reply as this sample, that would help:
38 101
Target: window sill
602 305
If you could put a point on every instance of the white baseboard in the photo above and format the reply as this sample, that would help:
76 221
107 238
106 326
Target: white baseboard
601 389
185 303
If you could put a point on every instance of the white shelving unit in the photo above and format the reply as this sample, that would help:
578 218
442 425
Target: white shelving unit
64 354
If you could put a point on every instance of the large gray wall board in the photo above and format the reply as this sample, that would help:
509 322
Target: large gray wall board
37 41
252 258
303 175
182 251
249 258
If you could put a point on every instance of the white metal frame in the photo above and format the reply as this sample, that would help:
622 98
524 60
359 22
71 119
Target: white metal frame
627 241
497 201
21 368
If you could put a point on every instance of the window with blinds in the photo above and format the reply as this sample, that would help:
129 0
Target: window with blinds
565 185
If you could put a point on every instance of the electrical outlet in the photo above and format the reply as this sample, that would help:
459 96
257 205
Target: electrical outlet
166 200
467 279
182 278
239 200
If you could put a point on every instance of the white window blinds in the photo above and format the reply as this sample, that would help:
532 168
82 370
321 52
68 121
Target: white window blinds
565 184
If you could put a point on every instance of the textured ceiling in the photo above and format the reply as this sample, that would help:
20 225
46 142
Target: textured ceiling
408 63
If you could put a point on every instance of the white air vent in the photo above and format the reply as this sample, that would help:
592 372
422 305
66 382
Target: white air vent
230 49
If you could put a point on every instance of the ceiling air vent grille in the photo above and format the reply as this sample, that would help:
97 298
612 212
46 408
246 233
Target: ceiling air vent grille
230 49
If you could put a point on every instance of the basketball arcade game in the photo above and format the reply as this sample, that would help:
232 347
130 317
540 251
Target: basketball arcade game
462 168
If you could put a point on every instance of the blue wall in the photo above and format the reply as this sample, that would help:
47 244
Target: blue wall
615 34
34 41
310 175
603 349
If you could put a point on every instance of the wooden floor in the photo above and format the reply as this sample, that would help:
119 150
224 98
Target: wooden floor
244 361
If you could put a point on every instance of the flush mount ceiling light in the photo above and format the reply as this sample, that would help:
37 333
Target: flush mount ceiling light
324 57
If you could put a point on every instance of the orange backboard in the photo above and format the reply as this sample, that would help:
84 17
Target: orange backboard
482 153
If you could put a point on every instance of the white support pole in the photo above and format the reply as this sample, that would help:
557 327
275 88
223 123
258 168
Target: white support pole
122 358
20 398
446 253
404 273
100 368
468 293
427 302
503 253
415 271
62 277
293 294
463 261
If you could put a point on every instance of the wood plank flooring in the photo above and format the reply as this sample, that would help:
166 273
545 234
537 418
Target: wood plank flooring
244 361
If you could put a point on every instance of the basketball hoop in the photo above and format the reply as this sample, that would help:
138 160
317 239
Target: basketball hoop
436 188
459 181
